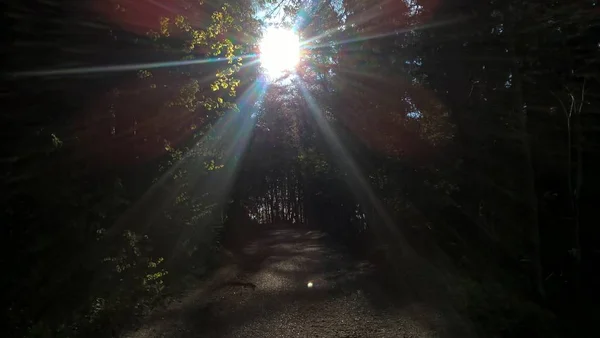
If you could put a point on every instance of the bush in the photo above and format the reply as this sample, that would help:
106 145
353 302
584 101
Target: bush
129 284
498 311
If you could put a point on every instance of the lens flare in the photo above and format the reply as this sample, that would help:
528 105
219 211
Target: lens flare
279 51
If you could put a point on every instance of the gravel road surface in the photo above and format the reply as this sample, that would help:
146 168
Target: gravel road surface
295 283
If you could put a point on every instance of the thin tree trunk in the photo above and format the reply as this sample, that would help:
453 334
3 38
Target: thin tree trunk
287 198
530 194
576 183
281 199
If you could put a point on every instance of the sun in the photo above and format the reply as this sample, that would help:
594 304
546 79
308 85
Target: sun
279 51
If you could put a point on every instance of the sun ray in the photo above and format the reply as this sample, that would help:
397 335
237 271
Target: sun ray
231 133
119 68
307 43
361 187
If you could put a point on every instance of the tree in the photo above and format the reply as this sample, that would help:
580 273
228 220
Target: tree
82 214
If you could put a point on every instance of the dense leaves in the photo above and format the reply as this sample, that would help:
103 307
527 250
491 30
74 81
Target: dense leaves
98 166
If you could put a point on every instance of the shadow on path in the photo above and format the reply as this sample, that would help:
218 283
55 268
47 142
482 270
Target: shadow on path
290 283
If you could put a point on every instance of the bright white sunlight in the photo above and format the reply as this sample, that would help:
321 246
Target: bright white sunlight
279 51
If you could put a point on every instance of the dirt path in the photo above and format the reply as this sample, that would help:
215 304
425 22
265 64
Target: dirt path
290 283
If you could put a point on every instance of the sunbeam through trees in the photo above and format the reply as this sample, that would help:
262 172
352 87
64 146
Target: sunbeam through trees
278 168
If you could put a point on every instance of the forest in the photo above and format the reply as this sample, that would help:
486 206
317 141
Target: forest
142 141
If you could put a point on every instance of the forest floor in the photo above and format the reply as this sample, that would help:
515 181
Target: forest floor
290 282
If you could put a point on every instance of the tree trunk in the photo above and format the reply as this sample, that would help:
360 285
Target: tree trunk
530 199
575 177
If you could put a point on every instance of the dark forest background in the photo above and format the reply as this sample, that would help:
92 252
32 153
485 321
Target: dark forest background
463 131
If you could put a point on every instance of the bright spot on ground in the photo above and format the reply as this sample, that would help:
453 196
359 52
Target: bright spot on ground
309 284
279 51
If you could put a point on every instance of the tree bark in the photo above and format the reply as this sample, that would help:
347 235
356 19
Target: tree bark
530 199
